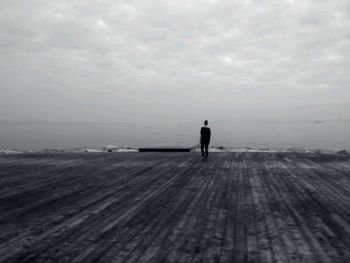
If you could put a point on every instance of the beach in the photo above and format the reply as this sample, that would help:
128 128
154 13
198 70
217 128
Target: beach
173 207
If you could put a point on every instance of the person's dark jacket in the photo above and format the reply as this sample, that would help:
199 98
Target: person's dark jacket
205 135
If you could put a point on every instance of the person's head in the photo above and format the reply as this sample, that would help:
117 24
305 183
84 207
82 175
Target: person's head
205 122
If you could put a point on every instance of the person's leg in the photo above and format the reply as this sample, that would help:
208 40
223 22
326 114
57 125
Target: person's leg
202 149
206 150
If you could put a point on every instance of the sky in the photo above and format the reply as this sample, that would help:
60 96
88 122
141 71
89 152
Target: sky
183 60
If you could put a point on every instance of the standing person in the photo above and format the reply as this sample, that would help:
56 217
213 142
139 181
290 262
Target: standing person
205 140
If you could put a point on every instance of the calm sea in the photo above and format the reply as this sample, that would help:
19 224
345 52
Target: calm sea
327 135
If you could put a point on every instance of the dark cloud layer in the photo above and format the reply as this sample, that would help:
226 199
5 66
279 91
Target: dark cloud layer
174 60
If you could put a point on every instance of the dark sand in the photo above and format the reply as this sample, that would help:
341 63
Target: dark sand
172 207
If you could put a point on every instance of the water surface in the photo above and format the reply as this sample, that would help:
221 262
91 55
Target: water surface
328 135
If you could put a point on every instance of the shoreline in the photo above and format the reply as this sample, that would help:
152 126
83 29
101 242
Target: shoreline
196 148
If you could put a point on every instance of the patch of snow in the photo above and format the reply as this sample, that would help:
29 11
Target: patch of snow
211 148
217 149
113 148
233 149
10 151
127 149
49 150
110 148
87 150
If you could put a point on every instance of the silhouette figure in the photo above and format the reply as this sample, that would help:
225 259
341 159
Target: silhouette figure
205 140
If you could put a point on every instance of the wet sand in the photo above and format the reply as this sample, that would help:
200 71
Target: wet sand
172 207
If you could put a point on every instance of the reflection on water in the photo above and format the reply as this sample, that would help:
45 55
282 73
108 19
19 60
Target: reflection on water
331 135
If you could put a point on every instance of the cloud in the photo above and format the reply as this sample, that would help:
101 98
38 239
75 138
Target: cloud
107 60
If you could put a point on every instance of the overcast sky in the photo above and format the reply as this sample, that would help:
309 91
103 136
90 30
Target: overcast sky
177 60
